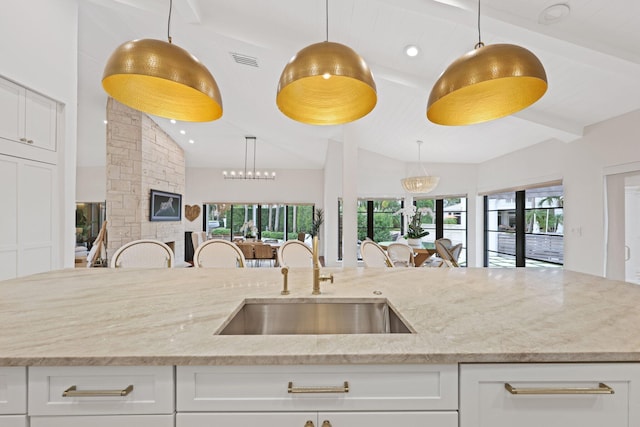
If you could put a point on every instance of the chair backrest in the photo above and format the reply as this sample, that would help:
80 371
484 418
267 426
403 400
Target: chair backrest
198 237
401 255
294 253
218 254
455 251
145 253
373 255
444 250
247 250
263 252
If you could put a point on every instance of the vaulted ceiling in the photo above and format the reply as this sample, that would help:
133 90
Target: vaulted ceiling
591 56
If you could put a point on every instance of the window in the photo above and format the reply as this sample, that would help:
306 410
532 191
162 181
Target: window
226 220
448 219
376 220
525 228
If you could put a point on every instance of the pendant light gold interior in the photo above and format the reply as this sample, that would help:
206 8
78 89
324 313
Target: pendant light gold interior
326 84
487 83
162 79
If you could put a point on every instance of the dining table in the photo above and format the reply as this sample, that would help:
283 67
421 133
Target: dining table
420 255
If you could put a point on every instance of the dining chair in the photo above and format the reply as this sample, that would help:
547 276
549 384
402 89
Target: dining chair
197 238
294 253
373 255
447 252
401 255
144 253
218 253
248 252
263 253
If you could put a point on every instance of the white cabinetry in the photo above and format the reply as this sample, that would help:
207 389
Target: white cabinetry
29 119
320 419
13 397
101 396
550 395
416 395
29 215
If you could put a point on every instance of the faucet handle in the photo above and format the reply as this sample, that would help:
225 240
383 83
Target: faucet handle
285 281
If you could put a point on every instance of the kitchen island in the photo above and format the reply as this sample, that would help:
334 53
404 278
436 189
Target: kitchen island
169 317
488 347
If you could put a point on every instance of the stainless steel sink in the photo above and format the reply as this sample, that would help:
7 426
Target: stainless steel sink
311 317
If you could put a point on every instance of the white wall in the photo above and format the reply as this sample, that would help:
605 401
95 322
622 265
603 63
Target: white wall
91 184
581 165
39 45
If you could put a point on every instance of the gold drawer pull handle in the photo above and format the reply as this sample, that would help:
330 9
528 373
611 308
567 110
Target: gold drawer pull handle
601 389
343 389
308 424
74 392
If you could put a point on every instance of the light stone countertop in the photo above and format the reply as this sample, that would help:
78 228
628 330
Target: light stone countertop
169 317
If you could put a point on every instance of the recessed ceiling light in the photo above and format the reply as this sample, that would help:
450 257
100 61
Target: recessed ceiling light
191 141
554 14
411 50
183 132
173 121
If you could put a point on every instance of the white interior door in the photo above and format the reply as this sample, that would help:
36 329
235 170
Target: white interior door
632 228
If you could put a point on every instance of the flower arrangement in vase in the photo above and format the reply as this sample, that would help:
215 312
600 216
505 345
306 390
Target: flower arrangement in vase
415 232
249 230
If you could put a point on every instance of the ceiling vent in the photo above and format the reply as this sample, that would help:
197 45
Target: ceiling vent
245 59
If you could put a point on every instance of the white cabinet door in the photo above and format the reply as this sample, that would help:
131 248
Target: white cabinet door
40 121
9 217
13 421
322 419
28 123
386 419
554 395
12 98
37 216
248 419
104 421
28 217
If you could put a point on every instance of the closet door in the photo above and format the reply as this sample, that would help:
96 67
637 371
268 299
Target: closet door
27 216
9 217
36 216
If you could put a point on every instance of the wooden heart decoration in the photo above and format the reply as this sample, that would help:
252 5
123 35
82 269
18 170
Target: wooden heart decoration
191 212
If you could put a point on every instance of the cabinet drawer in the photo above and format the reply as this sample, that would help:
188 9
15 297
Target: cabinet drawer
548 395
266 388
105 421
151 390
13 390
13 421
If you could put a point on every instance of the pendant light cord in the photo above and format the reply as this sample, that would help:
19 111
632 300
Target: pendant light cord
327 20
420 159
169 21
480 44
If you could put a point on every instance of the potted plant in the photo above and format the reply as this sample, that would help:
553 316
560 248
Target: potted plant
415 232
316 223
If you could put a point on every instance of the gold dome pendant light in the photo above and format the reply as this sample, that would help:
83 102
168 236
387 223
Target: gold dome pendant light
487 83
420 184
160 78
326 83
